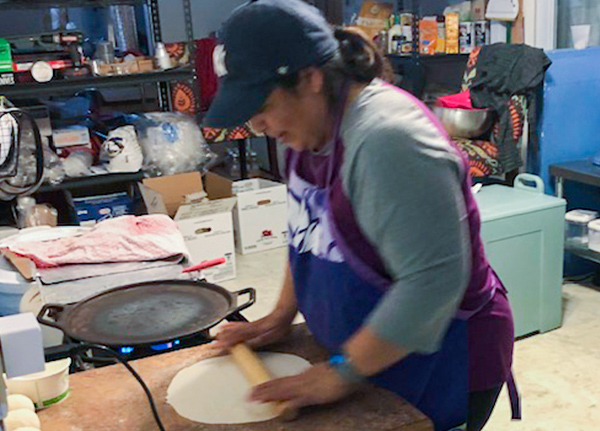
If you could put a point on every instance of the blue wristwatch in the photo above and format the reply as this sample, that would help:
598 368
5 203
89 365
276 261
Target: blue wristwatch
344 367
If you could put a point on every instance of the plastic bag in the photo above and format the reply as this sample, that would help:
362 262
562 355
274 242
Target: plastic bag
121 151
172 144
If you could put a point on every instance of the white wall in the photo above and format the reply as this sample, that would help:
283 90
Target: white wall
207 17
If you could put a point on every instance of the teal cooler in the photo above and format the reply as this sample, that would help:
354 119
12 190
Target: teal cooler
523 232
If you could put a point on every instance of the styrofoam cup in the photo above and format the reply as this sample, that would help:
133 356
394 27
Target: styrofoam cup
46 388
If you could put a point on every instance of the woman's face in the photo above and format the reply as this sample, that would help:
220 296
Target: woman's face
297 118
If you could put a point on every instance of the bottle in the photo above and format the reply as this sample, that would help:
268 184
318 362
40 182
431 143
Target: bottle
25 207
163 60
395 36
383 38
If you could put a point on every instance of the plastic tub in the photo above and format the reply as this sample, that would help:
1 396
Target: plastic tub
594 235
576 229
46 388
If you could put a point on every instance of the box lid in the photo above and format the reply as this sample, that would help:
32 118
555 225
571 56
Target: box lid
498 201
186 212
581 216
595 225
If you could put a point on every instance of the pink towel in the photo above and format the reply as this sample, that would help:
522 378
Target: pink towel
122 239
459 101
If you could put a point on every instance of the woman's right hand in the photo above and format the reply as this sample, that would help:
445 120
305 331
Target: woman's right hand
268 330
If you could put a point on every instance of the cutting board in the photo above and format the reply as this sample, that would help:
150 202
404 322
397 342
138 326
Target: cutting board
109 399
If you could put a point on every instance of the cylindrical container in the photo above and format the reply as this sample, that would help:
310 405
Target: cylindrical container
125 28
594 235
163 60
47 388
576 229
105 52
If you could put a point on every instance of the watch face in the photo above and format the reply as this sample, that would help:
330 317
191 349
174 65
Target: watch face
337 359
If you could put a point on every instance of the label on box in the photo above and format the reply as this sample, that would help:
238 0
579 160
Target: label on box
261 217
481 33
466 38
93 209
207 229
71 137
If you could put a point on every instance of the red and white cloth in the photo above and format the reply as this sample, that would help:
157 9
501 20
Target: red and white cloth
122 239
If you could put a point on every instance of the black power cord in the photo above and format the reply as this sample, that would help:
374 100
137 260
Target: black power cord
87 346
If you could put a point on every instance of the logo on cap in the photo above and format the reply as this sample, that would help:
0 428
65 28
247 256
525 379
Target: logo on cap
219 55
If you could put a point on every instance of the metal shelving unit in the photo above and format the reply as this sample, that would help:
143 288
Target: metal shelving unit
77 84
582 251
93 181
161 79
37 4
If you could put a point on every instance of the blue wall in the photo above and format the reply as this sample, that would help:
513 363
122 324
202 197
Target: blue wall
570 117
569 128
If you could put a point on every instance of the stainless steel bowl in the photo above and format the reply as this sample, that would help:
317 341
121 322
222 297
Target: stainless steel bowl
464 123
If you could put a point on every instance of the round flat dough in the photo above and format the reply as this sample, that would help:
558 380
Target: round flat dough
21 418
27 429
17 402
215 391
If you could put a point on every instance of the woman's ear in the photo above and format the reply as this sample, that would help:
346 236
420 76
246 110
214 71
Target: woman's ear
314 80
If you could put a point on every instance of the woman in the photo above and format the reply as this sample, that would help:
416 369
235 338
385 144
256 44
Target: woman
386 263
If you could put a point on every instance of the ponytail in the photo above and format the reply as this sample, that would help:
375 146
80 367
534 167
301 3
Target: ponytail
357 60
362 60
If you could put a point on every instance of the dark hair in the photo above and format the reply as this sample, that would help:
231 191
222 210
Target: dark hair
358 60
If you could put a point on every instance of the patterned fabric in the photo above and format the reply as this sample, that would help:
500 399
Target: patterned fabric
183 98
485 157
482 157
214 135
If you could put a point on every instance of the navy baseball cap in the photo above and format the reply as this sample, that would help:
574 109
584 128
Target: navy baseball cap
261 42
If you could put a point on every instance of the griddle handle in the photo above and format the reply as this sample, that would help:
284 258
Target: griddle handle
250 291
51 309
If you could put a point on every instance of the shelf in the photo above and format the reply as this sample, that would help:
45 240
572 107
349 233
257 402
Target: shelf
98 180
429 57
95 82
581 250
581 171
36 4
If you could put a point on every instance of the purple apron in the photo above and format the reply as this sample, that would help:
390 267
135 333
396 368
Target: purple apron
339 279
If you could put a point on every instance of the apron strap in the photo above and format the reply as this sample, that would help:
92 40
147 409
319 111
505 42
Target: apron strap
515 398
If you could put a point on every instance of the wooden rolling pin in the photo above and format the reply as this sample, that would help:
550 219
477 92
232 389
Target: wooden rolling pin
256 373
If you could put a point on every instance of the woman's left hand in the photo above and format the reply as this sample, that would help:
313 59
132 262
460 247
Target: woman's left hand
320 384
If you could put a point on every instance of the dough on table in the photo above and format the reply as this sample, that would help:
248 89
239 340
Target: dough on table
21 418
215 391
16 402
27 429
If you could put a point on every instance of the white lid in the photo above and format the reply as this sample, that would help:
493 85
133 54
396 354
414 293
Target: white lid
581 216
42 71
594 225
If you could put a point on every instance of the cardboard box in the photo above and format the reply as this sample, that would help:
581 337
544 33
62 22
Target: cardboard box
90 210
452 33
373 17
428 29
174 188
467 42
207 229
260 216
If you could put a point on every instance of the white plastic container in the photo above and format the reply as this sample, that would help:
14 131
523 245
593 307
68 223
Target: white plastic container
576 229
594 235
46 388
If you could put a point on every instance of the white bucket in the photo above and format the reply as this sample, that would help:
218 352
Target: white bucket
46 388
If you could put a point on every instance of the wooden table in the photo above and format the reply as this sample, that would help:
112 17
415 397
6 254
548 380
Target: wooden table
110 399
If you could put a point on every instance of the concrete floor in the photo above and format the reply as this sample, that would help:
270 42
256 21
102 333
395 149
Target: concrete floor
558 373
